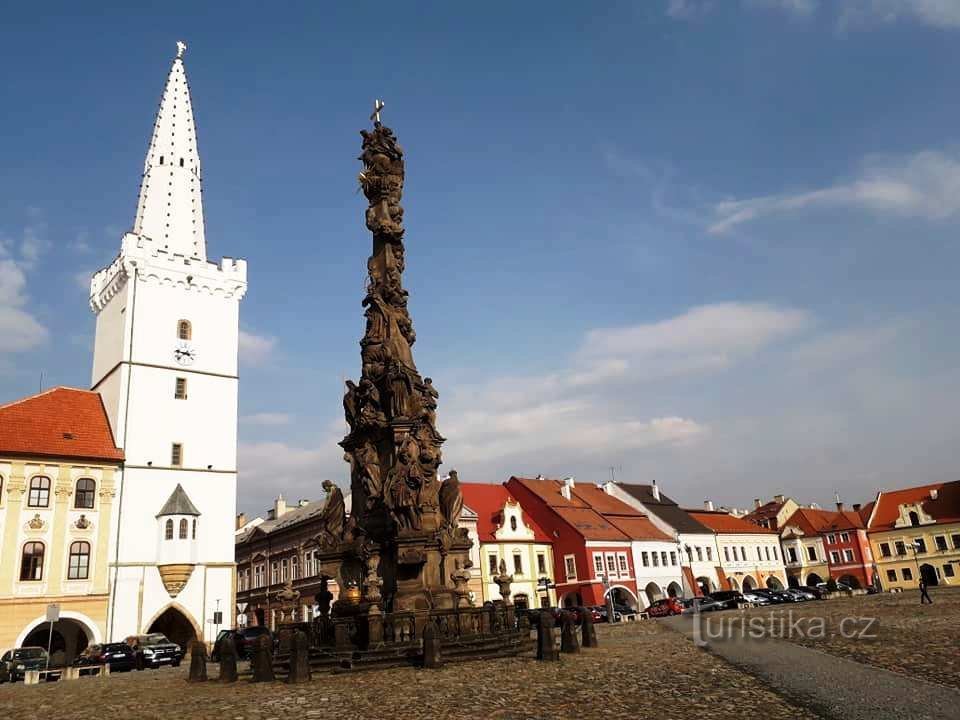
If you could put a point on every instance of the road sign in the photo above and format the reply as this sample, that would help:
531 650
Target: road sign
53 612
241 607
217 617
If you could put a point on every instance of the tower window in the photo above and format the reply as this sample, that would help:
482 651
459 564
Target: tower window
180 391
168 530
184 330
183 528
194 532
176 455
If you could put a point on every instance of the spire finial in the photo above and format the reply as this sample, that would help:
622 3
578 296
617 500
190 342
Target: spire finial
378 105
181 48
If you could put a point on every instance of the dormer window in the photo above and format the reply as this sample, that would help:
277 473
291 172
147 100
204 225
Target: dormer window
914 518
513 523
184 330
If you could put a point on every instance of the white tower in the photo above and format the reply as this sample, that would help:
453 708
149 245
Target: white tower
165 364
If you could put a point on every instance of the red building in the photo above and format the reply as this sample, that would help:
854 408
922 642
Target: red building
848 550
587 542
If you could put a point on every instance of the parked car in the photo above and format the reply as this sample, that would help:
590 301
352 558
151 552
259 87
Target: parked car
247 638
841 587
119 656
18 661
813 592
665 607
155 650
221 637
755 598
799 594
701 604
728 599
624 611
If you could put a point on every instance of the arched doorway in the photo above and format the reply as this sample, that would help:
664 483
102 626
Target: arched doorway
622 596
653 593
176 626
674 590
850 581
749 583
773 583
929 573
734 585
793 581
70 637
705 584
813 580
521 602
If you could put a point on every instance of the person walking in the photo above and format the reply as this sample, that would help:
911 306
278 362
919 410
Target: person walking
924 595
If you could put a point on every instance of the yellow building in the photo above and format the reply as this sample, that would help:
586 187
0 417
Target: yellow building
916 532
59 468
507 534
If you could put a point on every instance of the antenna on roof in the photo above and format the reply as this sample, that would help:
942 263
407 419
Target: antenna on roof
613 478
41 381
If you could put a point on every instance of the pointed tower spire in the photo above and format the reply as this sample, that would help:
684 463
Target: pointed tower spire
170 208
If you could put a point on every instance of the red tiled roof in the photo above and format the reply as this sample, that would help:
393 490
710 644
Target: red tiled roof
61 422
603 502
945 509
721 522
809 520
549 492
637 528
488 502
590 524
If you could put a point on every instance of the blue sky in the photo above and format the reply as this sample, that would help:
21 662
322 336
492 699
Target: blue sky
711 243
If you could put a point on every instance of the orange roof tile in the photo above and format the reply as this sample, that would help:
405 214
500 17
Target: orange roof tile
590 524
944 509
637 528
488 502
549 492
721 522
61 422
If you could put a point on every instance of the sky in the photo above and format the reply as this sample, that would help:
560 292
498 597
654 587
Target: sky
712 244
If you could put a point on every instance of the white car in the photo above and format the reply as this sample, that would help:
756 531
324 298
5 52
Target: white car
755 599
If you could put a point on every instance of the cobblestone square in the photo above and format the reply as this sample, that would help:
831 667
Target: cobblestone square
641 670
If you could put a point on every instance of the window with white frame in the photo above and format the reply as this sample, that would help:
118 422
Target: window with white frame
541 564
517 564
570 567
812 552
622 562
834 556
831 538
611 565
656 559
848 555
726 553
699 553
673 558
776 554
791 555
759 553
492 564
736 558
767 552
844 537
598 564
274 572
645 559
709 554
663 558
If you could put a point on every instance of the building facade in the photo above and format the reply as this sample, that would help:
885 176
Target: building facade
914 533
749 555
804 555
506 533
773 514
165 364
59 470
695 543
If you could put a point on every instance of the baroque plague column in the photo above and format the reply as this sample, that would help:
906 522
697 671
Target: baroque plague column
403 522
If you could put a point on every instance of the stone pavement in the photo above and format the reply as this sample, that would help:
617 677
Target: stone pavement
641 670
831 686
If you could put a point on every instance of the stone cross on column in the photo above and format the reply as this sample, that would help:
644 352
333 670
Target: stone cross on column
378 105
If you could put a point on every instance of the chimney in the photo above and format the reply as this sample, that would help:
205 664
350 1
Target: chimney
836 496
708 505
756 503
856 507
241 520
934 493
279 507
568 484
779 499
655 491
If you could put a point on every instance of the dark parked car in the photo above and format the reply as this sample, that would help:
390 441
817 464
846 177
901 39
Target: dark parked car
248 637
17 662
665 607
701 604
728 599
119 656
225 635
155 650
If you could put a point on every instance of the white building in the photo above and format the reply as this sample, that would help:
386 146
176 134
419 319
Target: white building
165 364
749 554
695 543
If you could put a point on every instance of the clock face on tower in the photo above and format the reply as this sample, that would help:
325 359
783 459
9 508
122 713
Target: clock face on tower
184 354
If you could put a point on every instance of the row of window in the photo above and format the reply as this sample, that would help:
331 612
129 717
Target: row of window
700 553
31 561
38 493
280 571
907 573
835 556
832 538
767 551
616 564
811 554
182 533
493 563
921 545
661 558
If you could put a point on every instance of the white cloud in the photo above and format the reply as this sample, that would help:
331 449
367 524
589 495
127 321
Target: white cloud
922 185
255 349
266 418
19 329
688 9
802 8
863 14
269 468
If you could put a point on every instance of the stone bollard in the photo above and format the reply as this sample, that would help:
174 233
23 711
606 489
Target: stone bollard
262 662
588 633
284 641
568 634
198 662
431 646
546 650
104 669
228 660
31 677
71 673
299 658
